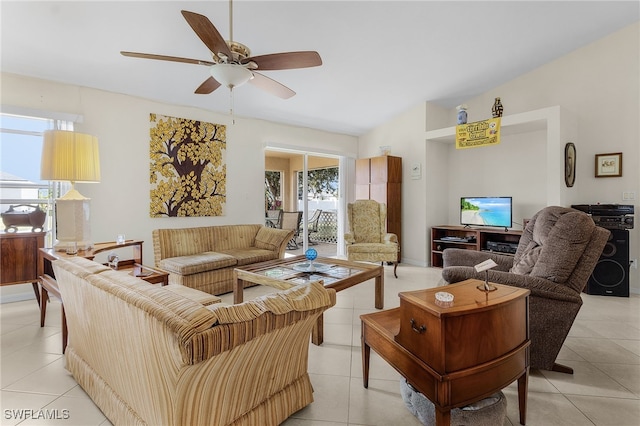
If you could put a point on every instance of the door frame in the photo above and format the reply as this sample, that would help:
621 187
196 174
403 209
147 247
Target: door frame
342 185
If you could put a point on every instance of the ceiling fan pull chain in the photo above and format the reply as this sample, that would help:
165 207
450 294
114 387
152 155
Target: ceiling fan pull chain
233 120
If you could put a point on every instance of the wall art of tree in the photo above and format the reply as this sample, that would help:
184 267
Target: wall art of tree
188 171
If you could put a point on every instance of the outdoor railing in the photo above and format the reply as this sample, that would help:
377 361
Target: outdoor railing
327 228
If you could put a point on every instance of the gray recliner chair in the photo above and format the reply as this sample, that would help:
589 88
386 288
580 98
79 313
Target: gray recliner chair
557 253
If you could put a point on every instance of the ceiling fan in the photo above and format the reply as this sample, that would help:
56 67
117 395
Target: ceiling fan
232 64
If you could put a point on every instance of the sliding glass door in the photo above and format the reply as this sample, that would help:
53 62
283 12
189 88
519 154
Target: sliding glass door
310 183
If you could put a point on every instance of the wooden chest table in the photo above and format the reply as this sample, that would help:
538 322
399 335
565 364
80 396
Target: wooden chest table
19 258
459 354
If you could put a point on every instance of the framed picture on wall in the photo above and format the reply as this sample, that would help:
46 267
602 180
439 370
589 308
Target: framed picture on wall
609 165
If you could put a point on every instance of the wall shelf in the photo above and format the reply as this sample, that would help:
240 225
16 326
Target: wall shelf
531 121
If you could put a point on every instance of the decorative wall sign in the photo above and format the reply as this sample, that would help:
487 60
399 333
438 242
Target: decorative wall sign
188 170
609 165
569 164
479 133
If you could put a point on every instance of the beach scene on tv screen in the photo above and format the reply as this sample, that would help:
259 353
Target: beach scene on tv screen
486 211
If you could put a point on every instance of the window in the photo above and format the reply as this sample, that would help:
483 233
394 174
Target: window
273 190
323 184
20 151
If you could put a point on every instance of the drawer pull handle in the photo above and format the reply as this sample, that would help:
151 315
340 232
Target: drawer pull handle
420 330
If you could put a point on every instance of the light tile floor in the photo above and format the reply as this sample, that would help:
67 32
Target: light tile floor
603 348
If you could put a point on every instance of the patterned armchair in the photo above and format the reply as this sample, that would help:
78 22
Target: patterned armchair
368 239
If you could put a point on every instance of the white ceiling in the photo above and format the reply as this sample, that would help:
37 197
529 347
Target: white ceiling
380 58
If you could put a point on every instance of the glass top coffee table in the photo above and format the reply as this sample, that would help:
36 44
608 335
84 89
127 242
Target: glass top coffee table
285 273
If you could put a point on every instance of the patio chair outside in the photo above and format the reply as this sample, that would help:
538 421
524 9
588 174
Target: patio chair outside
272 218
291 220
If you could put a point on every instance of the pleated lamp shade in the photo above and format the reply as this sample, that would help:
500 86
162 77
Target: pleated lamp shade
73 157
70 156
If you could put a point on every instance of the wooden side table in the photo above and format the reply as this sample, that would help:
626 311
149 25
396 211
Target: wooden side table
47 255
19 258
49 286
454 355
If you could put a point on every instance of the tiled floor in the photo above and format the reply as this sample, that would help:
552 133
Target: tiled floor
603 348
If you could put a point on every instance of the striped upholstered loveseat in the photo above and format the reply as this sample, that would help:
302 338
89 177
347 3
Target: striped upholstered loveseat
150 356
204 257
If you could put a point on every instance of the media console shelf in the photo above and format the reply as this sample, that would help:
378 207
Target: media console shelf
443 237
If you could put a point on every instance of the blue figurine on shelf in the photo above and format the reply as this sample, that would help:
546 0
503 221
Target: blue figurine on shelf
462 114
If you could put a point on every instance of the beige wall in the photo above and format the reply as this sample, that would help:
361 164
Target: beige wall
405 135
598 85
120 202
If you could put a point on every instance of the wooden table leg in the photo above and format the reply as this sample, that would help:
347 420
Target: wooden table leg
238 289
443 417
523 385
317 335
49 285
36 290
44 298
366 354
65 334
379 302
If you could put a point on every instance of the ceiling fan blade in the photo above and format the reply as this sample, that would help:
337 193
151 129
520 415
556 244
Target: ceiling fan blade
286 60
207 33
166 58
269 85
208 86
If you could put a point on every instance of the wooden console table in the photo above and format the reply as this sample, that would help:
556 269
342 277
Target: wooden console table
19 260
454 355
444 237
49 286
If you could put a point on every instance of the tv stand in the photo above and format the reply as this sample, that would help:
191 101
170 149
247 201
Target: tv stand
465 237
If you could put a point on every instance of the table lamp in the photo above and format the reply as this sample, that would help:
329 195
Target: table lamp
73 157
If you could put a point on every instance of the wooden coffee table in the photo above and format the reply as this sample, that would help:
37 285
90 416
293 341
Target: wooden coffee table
285 273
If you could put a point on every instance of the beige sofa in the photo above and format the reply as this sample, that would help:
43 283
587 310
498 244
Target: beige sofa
149 356
204 257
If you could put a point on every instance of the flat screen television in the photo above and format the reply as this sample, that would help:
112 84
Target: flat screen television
486 211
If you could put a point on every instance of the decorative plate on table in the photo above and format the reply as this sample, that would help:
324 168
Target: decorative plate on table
311 267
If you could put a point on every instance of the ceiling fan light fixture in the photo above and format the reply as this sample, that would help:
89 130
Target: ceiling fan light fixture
230 75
